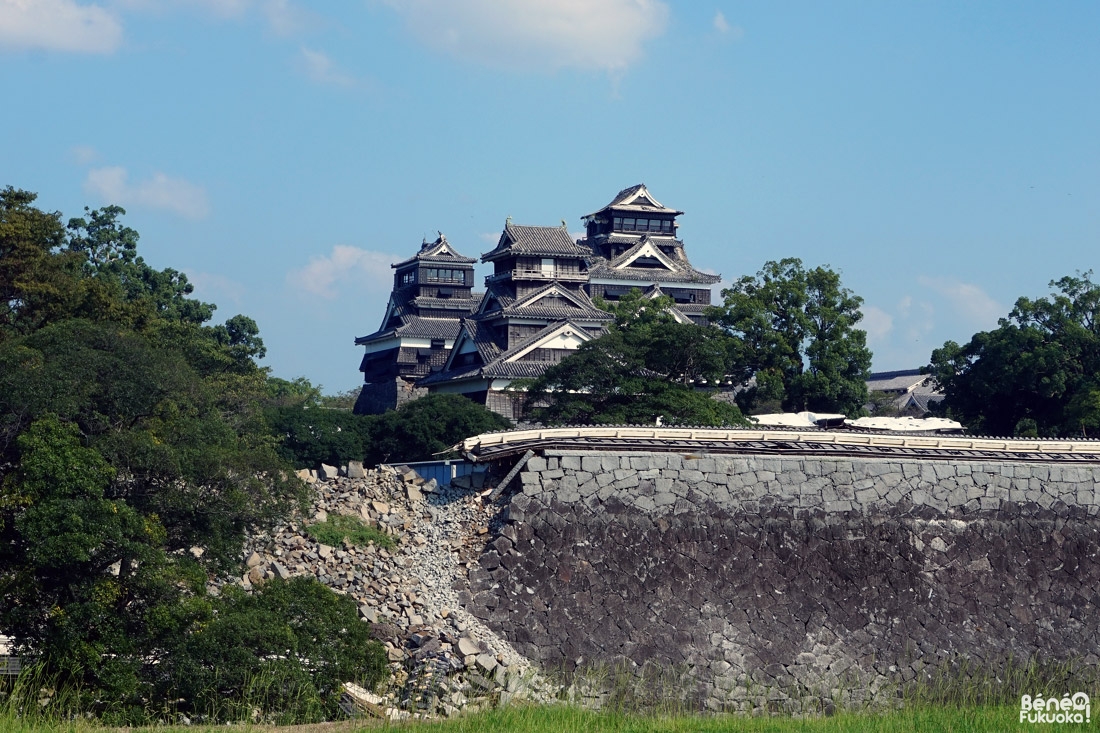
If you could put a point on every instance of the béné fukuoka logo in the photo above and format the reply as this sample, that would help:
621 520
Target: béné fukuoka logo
1065 709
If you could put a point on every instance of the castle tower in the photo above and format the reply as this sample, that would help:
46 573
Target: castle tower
634 240
535 311
432 292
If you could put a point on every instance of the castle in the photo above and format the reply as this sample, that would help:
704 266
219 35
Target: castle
439 335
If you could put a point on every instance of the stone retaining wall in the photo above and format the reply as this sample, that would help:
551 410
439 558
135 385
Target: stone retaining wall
782 580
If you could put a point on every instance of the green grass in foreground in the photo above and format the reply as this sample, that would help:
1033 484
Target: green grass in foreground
564 719
337 527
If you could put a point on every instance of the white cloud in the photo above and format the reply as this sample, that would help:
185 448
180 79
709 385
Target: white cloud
724 28
84 154
324 275
283 17
160 191
58 25
537 34
321 69
970 303
217 8
877 323
286 19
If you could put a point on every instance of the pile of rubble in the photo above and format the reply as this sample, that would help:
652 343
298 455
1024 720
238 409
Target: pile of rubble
443 659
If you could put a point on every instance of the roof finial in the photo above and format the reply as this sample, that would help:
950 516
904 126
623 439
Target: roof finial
442 236
508 221
564 225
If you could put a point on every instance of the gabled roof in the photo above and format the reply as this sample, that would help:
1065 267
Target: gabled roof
546 302
503 365
636 199
537 241
678 269
438 251
643 248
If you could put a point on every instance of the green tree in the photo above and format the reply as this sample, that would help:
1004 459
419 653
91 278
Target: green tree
285 648
38 282
310 436
1037 373
129 434
422 429
798 332
110 260
647 366
86 579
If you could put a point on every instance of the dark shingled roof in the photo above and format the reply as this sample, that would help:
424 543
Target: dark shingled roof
417 327
498 366
535 305
683 271
636 198
438 251
469 304
538 241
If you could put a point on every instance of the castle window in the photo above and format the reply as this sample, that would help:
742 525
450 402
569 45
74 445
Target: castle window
444 275
408 278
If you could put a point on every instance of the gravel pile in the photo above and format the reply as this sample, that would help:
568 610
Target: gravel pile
443 659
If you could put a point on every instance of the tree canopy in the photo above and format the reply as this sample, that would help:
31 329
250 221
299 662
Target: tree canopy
798 338
310 434
647 366
130 433
1037 373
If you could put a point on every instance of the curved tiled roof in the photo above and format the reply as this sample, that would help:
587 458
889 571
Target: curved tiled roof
417 327
636 198
438 251
526 240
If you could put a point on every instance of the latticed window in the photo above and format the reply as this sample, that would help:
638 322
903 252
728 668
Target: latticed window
444 275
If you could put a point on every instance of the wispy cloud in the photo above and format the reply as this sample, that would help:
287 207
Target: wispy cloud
324 275
969 303
720 23
877 323
286 19
111 185
724 28
283 17
58 25
322 69
83 154
605 35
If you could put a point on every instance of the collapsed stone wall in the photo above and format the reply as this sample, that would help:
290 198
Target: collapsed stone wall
781 579
376 398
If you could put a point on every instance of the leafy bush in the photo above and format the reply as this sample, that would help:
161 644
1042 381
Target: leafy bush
339 527
419 430
284 650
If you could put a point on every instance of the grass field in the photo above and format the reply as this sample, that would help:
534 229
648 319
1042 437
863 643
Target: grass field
566 719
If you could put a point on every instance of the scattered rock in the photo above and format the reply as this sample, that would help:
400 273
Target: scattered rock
407 594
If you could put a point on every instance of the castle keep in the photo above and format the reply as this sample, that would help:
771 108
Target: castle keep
438 335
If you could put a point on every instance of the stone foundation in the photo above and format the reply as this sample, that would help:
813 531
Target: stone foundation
780 580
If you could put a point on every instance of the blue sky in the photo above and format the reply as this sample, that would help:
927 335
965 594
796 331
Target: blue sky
943 156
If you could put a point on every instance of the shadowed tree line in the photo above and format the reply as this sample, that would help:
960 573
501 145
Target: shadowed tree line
131 432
